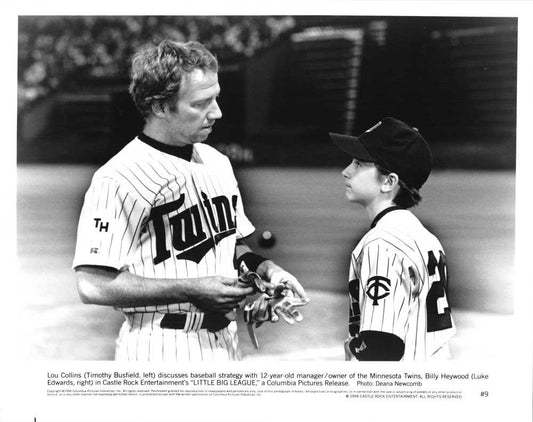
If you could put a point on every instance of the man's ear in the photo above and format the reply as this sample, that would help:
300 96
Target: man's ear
159 109
390 182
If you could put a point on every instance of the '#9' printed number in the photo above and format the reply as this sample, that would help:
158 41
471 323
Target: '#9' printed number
438 310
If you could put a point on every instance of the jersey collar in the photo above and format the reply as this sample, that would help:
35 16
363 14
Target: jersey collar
184 152
382 213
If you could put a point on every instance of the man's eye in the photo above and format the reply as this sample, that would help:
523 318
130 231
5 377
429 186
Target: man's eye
203 103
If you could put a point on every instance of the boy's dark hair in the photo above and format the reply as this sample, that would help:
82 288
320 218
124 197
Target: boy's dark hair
406 197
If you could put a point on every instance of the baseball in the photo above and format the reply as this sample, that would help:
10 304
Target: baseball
267 239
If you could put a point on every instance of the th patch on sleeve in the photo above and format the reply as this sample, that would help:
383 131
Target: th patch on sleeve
101 225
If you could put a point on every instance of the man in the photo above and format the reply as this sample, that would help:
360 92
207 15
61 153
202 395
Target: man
398 277
162 226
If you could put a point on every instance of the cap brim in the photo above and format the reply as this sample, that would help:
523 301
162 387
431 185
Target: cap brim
352 146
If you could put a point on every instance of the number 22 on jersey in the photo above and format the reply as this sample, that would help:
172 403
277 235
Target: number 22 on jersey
438 309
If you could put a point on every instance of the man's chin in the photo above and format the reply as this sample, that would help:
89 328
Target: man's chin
202 136
199 139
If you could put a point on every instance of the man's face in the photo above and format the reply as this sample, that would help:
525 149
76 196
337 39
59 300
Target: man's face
361 181
196 110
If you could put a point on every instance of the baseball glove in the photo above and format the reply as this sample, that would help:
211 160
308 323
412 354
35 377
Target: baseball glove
275 301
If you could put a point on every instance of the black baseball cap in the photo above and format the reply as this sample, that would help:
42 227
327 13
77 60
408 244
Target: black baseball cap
395 146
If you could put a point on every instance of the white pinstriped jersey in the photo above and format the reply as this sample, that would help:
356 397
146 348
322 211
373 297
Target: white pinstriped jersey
157 215
398 281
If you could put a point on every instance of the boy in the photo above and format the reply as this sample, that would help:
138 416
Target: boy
398 277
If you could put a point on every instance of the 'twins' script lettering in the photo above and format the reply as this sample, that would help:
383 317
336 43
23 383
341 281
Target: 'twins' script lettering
189 236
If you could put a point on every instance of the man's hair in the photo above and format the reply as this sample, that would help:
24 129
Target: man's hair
157 72
406 197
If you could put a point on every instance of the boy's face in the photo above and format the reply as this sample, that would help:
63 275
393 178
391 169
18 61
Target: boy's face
362 182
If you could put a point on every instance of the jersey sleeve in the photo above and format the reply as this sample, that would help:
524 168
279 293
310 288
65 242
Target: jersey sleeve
387 285
244 226
109 225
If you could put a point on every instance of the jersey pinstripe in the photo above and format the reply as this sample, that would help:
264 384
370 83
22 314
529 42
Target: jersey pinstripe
398 281
158 215
141 338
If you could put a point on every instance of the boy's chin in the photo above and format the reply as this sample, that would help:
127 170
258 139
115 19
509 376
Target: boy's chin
353 199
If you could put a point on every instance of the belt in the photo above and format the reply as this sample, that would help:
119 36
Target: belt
195 320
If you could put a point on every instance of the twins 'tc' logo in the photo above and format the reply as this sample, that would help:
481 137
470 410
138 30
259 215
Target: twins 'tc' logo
378 288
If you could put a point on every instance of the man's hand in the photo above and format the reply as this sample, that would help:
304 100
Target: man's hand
217 294
284 294
276 275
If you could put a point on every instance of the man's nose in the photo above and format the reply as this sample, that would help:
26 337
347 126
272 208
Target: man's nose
215 112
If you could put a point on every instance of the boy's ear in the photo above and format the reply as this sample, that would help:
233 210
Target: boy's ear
390 182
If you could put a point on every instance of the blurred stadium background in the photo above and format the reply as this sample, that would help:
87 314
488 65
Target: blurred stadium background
286 82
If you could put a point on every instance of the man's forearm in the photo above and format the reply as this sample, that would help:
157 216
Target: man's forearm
109 287
106 286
